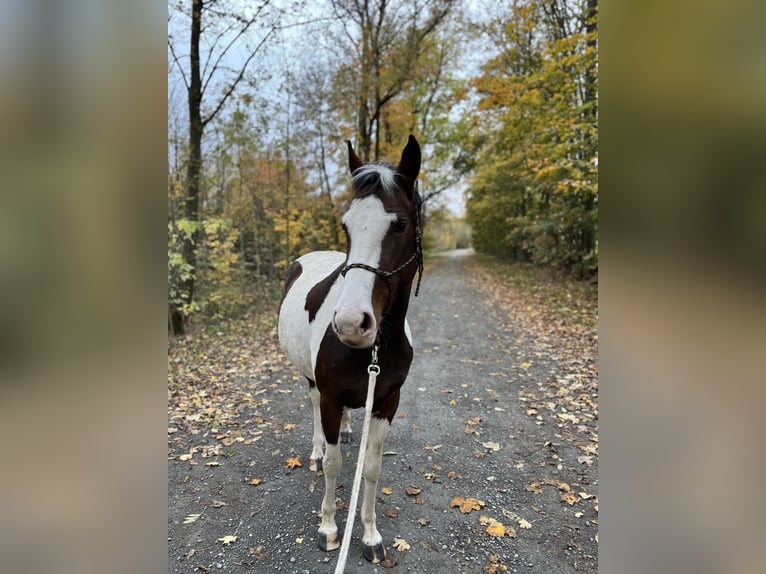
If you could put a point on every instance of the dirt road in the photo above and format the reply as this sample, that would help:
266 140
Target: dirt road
469 426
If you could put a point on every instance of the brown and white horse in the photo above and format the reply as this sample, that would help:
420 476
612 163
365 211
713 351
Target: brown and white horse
338 306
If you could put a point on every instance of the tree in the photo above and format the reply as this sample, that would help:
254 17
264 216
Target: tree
534 192
225 27
387 45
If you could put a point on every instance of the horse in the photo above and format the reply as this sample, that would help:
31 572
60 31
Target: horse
340 309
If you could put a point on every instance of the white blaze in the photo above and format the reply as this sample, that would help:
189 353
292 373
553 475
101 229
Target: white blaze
367 223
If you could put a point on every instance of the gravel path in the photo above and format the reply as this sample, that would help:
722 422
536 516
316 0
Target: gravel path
461 431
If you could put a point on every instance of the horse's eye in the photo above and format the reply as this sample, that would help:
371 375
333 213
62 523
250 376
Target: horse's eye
399 226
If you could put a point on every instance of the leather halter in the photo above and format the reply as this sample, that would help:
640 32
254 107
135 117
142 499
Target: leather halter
387 274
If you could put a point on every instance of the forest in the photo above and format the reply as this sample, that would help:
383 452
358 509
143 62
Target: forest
262 96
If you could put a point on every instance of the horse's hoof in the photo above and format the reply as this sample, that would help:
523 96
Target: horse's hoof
315 465
328 543
345 437
375 553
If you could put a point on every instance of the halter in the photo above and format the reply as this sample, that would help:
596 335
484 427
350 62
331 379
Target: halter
387 274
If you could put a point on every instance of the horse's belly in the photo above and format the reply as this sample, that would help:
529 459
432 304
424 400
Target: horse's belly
298 337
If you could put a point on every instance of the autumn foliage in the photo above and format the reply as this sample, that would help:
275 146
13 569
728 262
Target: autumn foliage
534 187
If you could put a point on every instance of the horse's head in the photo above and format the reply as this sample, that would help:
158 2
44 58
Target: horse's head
382 228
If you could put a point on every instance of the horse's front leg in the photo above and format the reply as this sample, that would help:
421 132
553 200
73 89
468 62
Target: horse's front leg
372 541
327 538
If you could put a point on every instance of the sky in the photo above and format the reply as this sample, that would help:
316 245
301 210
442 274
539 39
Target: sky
285 53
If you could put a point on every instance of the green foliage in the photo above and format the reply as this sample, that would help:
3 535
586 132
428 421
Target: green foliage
534 191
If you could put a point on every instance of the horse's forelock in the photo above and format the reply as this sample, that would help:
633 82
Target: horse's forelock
371 176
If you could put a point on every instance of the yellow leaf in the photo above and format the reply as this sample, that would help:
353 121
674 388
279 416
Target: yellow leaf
466 505
401 544
185 457
387 490
299 540
192 518
289 426
291 463
213 463
496 529
227 539
524 524
255 481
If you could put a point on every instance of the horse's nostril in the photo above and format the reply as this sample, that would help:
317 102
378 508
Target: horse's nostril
366 323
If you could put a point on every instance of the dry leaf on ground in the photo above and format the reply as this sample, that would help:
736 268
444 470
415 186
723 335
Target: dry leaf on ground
227 539
401 544
291 463
466 505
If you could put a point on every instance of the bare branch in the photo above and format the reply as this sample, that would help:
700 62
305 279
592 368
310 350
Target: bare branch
238 79
177 63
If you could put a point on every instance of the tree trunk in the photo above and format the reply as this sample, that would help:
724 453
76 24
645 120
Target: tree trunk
194 167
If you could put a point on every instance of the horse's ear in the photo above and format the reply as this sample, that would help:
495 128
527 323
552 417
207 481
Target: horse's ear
409 165
353 160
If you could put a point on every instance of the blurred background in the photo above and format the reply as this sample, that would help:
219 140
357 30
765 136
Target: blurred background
97 200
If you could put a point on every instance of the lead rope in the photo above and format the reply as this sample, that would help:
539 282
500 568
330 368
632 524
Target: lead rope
373 370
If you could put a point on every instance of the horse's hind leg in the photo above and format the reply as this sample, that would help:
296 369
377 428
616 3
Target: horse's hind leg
345 426
317 439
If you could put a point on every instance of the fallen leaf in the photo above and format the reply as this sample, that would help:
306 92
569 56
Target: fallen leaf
491 445
192 518
585 460
496 528
213 463
387 490
453 475
570 498
413 490
291 463
474 421
466 505
389 561
289 426
401 544
424 521
299 540
563 486
418 500
255 481
391 512
429 476
219 503
227 539
185 457
535 487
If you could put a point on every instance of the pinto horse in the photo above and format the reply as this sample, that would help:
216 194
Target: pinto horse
341 308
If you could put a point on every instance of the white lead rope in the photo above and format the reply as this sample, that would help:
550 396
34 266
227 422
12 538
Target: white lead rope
373 370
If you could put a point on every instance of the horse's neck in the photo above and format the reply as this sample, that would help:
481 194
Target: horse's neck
398 312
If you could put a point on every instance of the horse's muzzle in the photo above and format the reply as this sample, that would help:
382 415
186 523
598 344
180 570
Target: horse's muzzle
355 328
